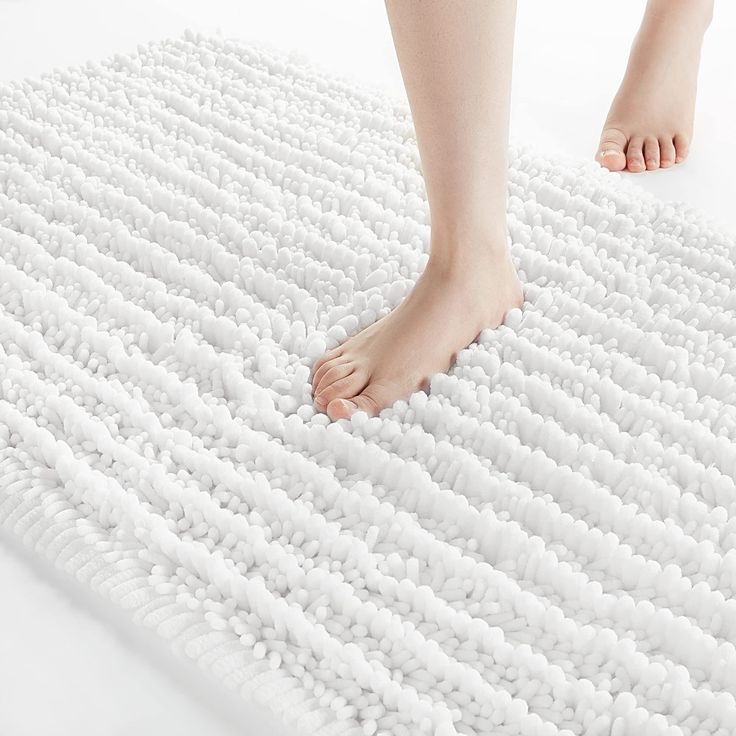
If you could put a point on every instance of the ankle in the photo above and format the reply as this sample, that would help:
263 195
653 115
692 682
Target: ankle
465 249
468 266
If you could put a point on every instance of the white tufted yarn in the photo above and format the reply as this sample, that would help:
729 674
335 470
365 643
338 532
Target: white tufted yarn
543 544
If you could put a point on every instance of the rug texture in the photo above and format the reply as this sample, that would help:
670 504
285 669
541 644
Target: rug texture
543 543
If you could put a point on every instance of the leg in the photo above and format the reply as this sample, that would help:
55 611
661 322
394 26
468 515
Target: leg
455 59
650 123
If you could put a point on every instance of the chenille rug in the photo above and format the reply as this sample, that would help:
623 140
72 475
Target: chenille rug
542 543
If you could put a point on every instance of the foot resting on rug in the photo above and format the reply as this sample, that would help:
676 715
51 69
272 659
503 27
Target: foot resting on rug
452 301
650 123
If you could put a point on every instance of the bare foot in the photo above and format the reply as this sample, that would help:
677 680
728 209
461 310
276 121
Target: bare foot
650 123
396 355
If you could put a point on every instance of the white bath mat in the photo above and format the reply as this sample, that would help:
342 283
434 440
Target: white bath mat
544 544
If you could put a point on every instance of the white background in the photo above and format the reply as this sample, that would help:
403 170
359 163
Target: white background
69 664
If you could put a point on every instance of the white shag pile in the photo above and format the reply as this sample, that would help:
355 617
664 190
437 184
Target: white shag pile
544 544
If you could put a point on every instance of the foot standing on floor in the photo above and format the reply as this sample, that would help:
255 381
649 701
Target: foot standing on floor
455 60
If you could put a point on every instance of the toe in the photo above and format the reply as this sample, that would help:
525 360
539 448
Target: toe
651 153
611 149
319 374
666 152
377 395
682 146
342 388
371 399
329 355
341 408
634 155
332 371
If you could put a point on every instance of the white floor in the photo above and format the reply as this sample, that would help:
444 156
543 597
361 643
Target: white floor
69 664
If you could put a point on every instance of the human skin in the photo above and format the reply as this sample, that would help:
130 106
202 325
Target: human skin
455 60
650 123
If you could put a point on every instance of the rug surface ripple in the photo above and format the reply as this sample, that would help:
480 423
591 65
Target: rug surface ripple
542 543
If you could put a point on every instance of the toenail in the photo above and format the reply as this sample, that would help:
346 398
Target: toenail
609 152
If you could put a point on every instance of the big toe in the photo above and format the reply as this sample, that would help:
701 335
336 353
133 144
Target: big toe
342 388
376 395
611 149
373 398
369 401
341 409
